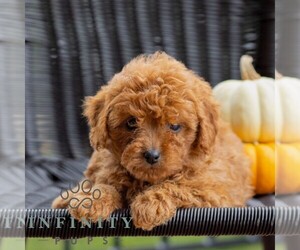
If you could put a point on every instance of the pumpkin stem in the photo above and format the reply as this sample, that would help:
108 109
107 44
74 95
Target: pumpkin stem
278 75
247 70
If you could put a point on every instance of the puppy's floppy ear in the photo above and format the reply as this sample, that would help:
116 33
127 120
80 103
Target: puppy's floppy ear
207 111
95 109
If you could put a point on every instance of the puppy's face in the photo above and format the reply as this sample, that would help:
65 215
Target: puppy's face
152 131
153 123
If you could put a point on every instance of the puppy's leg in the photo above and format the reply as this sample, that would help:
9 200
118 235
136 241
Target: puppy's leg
63 200
158 204
153 207
100 202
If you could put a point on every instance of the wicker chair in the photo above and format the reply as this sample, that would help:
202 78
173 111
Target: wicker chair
75 46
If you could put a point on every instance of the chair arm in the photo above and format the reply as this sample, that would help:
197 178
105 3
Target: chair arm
192 221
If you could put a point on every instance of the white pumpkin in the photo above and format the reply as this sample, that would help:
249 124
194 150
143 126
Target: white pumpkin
249 105
261 109
287 109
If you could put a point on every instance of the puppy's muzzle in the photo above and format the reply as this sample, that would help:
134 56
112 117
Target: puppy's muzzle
152 156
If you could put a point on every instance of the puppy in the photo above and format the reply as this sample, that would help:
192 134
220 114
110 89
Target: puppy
159 145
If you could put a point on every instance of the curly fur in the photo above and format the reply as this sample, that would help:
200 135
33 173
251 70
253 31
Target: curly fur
202 165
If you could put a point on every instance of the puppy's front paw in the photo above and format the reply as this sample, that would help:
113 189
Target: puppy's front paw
151 210
95 204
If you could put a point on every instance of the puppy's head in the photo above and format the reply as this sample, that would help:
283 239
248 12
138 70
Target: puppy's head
154 116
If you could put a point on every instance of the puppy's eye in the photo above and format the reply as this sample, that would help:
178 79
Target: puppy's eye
175 127
131 123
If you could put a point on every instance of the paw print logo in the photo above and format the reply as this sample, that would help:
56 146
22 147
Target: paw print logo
86 188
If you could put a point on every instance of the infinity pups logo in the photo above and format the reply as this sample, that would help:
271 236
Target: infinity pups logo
89 194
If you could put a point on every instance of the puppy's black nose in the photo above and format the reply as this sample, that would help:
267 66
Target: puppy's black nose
152 156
